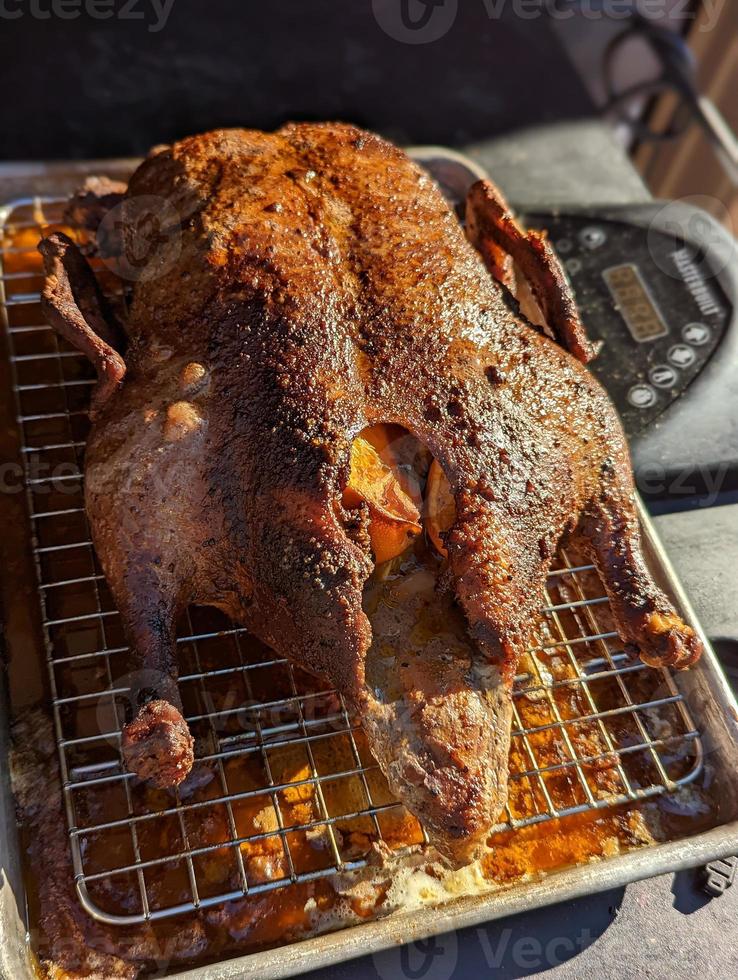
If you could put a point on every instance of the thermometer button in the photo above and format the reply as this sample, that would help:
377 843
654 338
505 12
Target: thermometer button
681 355
663 376
592 237
642 396
696 334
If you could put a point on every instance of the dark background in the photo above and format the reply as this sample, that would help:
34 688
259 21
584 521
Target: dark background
92 88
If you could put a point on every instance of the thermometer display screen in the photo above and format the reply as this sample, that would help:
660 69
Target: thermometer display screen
635 303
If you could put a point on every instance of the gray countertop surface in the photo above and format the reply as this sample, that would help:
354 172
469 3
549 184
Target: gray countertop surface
561 163
664 927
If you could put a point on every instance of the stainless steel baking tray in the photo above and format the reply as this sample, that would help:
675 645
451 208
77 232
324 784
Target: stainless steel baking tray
79 627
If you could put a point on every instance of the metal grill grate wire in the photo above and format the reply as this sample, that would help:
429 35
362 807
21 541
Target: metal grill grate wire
283 769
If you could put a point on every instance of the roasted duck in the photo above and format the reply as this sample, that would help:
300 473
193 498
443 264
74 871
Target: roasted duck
313 286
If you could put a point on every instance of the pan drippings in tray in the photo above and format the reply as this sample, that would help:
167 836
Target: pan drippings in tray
411 877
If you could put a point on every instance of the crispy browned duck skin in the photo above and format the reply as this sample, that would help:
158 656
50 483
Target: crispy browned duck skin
322 284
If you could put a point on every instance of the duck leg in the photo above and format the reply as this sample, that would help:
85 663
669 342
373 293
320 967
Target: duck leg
492 228
647 621
142 522
75 307
145 582
156 743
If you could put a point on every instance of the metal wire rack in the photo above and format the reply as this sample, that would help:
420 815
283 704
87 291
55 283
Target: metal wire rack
285 790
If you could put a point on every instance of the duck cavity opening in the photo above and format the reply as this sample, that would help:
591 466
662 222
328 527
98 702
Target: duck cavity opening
403 488
420 640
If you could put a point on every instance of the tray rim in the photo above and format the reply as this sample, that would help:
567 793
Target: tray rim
397 928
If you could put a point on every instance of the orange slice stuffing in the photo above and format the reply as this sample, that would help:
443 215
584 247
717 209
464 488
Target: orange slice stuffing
406 457
440 509
394 516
